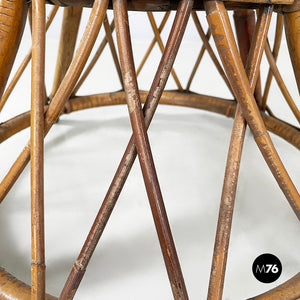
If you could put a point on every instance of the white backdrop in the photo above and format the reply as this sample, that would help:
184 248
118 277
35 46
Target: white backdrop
189 146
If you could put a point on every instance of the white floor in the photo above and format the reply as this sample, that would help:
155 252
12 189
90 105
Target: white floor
190 147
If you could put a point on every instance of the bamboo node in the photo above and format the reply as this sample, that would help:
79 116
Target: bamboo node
38 264
79 266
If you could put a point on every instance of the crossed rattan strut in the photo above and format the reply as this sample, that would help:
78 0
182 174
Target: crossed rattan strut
241 75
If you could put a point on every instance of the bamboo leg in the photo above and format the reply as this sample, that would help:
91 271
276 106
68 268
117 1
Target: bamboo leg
197 63
160 28
129 156
244 20
292 27
37 151
224 39
68 37
30 25
244 24
93 61
63 92
209 49
161 46
277 42
218 268
222 238
281 83
144 152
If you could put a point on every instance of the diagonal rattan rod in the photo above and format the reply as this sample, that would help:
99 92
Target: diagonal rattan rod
277 42
112 48
197 63
68 36
130 154
144 150
37 151
209 49
224 39
162 47
24 63
160 28
281 83
93 61
218 268
57 104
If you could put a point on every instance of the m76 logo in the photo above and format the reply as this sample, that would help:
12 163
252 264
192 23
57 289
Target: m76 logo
266 268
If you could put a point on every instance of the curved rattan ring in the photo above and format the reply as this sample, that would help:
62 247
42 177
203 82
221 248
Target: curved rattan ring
248 107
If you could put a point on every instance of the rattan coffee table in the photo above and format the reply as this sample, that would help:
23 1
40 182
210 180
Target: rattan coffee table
240 70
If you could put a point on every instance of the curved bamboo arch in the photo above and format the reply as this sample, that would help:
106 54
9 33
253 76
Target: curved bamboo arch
225 107
12 288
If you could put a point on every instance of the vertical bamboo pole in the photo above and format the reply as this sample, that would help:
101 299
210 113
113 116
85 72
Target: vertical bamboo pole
68 37
30 25
37 151
224 39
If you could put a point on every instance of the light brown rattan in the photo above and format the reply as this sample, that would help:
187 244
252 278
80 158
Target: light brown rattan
240 70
